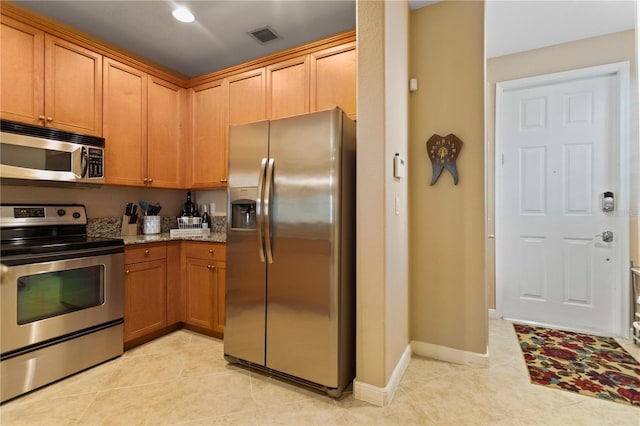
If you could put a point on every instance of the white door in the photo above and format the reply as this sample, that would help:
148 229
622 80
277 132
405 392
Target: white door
557 153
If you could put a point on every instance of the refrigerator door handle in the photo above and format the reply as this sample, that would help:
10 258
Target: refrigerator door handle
268 210
259 208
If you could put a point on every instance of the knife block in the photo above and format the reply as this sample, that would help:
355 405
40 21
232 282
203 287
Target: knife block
127 228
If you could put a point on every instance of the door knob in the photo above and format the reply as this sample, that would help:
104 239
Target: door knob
607 236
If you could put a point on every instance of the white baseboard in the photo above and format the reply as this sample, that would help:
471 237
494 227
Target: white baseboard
383 396
493 314
447 354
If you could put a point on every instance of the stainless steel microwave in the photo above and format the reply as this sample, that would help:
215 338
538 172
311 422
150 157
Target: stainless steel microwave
42 153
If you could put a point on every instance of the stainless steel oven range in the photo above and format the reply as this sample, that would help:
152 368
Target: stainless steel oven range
61 296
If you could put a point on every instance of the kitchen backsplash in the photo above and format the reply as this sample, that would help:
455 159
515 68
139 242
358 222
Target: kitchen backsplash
110 226
108 201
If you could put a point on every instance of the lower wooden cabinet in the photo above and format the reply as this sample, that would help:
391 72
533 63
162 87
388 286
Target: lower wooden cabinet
204 281
173 283
145 290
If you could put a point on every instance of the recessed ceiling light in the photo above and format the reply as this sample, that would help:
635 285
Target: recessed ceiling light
182 14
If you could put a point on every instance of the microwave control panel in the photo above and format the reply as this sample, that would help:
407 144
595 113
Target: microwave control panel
96 161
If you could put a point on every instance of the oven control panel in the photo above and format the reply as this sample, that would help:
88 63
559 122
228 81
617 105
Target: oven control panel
37 215
24 212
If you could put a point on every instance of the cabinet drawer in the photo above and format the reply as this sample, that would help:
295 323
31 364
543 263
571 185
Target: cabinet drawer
210 251
144 252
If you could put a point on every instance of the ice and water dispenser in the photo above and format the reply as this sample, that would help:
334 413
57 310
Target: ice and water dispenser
243 207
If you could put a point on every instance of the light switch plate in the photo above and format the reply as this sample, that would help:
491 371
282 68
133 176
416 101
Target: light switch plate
398 167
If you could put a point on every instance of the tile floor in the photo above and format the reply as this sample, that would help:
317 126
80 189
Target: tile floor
182 378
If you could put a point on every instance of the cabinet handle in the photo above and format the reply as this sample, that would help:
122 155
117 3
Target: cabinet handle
211 251
49 119
146 251
41 117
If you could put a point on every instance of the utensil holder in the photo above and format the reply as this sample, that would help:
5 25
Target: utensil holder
128 229
151 225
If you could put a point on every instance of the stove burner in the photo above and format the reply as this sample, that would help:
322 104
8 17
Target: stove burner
17 248
39 229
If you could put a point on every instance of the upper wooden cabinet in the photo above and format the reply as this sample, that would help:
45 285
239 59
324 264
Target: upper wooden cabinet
142 124
209 124
164 152
237 99
333 79
247 97
288 88
22 72
72 87
49 81
125 124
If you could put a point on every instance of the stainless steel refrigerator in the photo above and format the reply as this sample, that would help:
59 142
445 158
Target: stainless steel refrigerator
290 283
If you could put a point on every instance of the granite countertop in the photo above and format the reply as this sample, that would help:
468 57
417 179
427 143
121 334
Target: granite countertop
111 227
213 237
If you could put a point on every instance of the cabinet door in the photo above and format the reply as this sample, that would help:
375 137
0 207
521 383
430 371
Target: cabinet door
22 72
288 88
201 292
145 298
73 87
247 97
125 124
205 293
209 150
333 79
164 134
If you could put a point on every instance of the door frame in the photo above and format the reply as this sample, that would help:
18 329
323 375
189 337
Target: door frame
621 72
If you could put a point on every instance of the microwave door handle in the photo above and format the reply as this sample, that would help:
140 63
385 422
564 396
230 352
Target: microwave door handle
260 208
84 161
268 211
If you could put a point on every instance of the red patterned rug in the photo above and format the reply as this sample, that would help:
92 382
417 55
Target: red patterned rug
588 365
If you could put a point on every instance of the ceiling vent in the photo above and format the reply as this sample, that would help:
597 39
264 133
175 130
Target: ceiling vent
264 35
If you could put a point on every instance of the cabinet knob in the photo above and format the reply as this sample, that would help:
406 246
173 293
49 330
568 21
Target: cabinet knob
126 272
41 117
145 180
211 266
150 180
224 180
211 251
49 119
146 251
